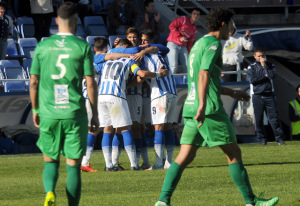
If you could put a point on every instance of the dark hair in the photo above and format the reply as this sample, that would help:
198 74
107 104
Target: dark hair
149 33
259 50
216 16
147 2
66 10
132 30
3 4
123 42
297 88
100 43
196 9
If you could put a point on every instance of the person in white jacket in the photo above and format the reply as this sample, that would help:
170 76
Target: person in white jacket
232 52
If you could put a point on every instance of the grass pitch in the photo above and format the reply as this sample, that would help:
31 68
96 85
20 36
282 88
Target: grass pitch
273 170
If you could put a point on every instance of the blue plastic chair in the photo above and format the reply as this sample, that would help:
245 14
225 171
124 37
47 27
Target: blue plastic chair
14 73
25 27
27 66
15 86
11 48
27 46
112 39
94 26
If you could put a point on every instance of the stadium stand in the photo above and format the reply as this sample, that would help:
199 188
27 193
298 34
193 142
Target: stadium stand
27 46
26 66
53 27
94 26
25 27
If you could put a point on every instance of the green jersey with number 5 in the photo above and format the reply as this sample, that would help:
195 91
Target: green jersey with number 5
61 61
206 54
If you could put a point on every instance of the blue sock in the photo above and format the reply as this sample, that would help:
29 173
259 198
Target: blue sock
159 143
91 140
138 148
116 148
170 143
130 147
107 148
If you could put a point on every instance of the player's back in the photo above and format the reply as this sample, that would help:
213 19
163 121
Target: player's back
159 86
62 61
114 76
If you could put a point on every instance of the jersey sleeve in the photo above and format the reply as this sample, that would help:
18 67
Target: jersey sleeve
88 68
210 55
133 67
35 66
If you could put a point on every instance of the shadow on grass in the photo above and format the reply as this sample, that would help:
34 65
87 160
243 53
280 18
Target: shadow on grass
258 164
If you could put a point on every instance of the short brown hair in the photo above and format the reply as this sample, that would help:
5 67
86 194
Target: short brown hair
66 10
259 50
216 16
132 30
149 33
100 43
123 42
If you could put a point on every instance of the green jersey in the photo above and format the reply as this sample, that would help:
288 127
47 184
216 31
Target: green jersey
206 54
61 61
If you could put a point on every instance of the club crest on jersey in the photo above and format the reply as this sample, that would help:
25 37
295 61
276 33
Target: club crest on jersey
60 43
213 47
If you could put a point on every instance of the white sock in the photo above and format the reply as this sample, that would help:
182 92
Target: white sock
116 152
162 203
130 149
87 158
107 152
169 159
159 151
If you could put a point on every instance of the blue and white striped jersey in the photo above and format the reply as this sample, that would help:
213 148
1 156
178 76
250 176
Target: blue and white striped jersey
159 86
114 76
84 92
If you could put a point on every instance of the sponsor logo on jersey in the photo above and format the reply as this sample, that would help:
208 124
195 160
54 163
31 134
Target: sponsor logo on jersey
213 47
60 43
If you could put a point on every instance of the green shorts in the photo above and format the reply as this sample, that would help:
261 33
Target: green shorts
216 130
68 137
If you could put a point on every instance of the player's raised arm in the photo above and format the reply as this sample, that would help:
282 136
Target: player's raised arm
34 88
91 88
147 74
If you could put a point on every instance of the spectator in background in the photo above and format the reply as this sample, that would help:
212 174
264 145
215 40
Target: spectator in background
6 30
150 20
42 12
181 39
121 15
85 8
294 114
261 74
232 52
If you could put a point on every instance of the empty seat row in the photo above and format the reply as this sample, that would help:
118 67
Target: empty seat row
93 26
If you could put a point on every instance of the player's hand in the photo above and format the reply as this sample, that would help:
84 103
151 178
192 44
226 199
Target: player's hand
157 17
140 79
200 116
248 34
116 41
164 72
144 45
240 95
183 39
138 56
36 120
94 123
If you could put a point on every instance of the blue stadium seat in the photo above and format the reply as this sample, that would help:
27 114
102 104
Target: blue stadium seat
9 63
185 79
27 46
11 48
90 40
14 73
94 26
53 27
25 27
112 39
14 86
106 3
178 79
27 66
98 7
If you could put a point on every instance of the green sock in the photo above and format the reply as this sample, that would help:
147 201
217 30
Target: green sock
240 177
172 178
73 187
50 176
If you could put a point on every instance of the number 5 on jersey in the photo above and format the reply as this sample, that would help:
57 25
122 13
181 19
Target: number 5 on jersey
62 67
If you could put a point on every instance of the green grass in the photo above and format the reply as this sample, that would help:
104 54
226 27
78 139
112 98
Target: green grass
274 170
